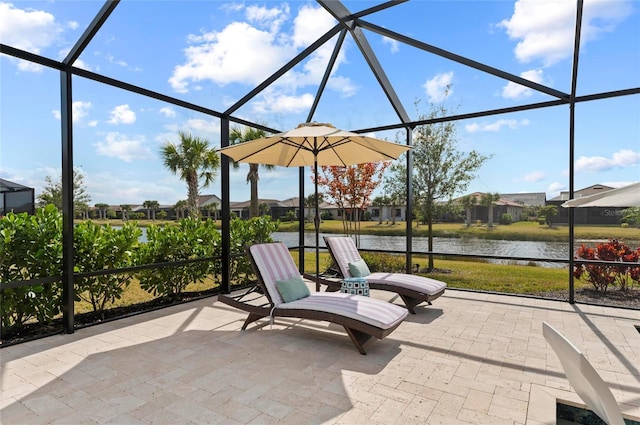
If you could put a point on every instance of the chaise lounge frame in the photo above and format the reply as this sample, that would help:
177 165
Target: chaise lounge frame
263 301
412 289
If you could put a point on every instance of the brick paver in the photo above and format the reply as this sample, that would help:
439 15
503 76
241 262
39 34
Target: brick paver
468 359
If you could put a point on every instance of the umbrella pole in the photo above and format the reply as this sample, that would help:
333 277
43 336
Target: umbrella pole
316 222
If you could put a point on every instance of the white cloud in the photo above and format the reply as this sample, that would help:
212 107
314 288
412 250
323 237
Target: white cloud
439 87
343 85
516 91
621 159
122 114
112 59
534 177
218 56
284 103
545 29
31 30
496 125
167 112
126 148
249 52
555 188
79 110
393 44
199 125
272 18
27 29
310 23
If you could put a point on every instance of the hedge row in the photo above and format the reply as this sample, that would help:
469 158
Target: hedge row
31 248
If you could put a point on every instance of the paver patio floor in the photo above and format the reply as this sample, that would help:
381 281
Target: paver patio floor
469 358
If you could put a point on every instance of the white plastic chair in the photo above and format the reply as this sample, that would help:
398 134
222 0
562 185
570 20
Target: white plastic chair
583 377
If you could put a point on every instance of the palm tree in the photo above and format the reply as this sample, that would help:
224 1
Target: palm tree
310 203
239 135
380 202
155 205
147 205
211 207
468 202
180 206
102 210
487 200
124 208
264 208
193 160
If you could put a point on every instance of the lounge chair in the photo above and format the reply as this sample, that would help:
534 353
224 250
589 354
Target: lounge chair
583 377
361 317
412 289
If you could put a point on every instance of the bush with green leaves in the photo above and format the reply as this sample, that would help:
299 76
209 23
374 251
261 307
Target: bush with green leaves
103 248
631 216
244 233
380 262
30 248
189 240
506 219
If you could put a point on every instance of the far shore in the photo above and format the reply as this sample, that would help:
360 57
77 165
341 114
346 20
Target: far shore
522 231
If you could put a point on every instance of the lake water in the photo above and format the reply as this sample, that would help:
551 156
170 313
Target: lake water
470 246
464 246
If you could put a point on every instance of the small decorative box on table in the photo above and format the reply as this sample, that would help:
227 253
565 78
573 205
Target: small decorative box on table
355 286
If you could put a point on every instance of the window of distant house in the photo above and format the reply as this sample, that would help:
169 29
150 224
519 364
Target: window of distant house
398 212
375 212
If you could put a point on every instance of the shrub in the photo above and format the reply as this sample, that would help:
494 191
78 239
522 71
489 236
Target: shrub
244 233
189 240
103 248
30 248
506 218
379 262
542 220
603 275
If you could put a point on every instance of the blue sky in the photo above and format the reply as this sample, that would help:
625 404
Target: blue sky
213 52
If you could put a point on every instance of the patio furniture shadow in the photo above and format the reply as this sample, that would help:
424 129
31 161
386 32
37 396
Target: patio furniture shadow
207 375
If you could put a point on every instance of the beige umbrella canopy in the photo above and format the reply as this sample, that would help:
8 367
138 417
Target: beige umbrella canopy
313 144
622 197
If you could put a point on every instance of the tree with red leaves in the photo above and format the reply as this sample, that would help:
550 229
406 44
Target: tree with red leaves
350 188
603 275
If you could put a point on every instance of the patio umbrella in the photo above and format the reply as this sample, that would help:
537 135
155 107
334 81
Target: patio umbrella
313 144
627 196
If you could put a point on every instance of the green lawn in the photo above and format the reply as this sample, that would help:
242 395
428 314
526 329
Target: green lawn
523 231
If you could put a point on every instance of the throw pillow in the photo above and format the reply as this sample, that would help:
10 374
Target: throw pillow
292 289
359 269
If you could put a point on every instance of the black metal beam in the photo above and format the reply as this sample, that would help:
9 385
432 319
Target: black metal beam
30 57
66 130
301 205
572 131
164 98
343 15
289 65
226 209
327 74
461 59
409 195
381 76
377 8
339 12
465 116
91 31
